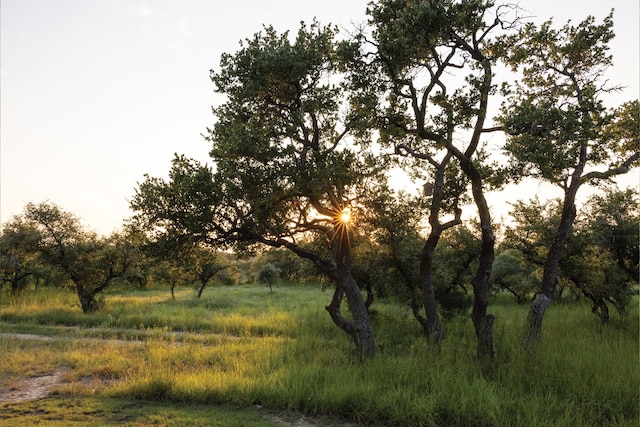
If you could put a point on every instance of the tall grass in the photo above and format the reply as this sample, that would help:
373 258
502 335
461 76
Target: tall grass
281 351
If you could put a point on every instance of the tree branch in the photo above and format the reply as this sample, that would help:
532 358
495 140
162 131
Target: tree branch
620 170
410 151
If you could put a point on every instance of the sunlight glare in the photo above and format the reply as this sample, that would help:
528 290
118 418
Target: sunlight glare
345 216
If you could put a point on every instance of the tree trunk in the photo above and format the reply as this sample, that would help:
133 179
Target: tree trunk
201 288
550 278
360 328
482 323
338 268
534 319
602 310
15 286
370 296
431 324
87 299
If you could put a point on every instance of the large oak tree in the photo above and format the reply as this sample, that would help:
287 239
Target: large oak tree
427 68
288 165
560 130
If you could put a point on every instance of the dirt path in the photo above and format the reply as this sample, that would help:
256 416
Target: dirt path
61 338
32 388
25 389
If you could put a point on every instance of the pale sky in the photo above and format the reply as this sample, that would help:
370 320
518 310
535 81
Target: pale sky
96 93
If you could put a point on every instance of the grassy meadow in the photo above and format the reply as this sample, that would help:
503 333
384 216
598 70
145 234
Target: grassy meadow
241 356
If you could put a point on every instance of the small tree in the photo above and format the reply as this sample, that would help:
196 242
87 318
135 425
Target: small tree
18 254
91 262
268 275
511 272
203 264
170 272
612 222
605 266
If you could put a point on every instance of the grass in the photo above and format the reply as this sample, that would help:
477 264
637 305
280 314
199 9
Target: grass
85 411
242 348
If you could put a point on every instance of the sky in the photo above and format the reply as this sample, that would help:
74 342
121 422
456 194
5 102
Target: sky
94 94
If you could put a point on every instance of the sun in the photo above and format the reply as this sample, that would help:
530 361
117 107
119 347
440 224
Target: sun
345 216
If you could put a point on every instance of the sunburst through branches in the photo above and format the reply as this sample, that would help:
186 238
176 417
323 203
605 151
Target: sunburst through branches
345 216
342 223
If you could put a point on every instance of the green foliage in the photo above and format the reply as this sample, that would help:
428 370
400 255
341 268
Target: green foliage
556 118
600 258
57 239
624 129
511 272
278 141
176 214
391 263
612 222
18 254
269 274
291 267
455 262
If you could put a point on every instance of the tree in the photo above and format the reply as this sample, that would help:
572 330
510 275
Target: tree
284 169
280 150
18 254
91 262
419 50
605 268
269 275
559 129
170 272
608 226
512 273
390 261
612 222
455 266
288 263
203 264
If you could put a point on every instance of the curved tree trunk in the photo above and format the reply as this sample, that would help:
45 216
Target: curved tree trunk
360 328
431 325
482 322
338 268
203 284
173 287
550 278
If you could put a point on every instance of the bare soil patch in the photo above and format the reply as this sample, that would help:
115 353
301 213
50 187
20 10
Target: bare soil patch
32 388
63 338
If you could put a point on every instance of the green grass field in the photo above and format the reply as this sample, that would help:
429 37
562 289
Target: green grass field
241 356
